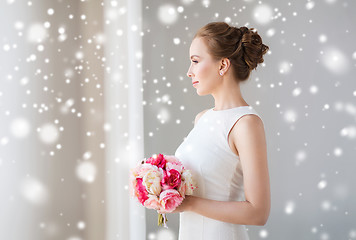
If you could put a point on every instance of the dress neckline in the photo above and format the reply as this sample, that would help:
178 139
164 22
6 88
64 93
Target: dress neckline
224 110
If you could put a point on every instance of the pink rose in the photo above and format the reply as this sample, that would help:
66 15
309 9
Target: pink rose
169 200
171 179
152 202
158 160
141 193
171 158
174 165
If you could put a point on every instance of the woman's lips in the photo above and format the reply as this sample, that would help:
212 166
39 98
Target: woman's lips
195 82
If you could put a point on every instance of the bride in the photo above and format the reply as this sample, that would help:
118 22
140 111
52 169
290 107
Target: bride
226 150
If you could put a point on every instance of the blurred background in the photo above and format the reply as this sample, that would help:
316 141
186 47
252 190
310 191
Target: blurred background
89 87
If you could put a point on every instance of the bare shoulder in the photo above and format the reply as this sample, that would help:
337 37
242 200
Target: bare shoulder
249 128
249 121
248 135
199 115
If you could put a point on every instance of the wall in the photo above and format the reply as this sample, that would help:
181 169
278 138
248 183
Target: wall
305 92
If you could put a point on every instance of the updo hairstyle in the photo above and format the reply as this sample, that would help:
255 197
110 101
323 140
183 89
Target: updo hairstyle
242 46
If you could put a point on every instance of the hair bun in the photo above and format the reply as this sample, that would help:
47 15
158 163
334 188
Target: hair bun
252 47
243 30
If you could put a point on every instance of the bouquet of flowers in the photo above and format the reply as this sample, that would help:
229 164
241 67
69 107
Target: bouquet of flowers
161 183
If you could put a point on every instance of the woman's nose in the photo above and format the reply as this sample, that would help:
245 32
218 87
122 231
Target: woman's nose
189 73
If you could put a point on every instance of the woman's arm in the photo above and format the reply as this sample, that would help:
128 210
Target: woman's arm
249 139
242 212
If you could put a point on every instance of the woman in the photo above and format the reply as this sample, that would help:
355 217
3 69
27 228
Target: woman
226 150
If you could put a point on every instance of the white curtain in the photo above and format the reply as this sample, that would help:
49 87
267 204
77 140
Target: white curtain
124 115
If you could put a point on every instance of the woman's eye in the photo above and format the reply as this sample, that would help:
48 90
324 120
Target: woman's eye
195 61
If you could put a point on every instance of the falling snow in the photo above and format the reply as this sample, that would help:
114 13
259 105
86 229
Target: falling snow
54 104
86 171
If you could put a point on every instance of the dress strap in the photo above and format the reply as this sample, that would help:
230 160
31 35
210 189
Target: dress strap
233 118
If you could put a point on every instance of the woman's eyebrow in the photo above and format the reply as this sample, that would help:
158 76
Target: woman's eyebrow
193 56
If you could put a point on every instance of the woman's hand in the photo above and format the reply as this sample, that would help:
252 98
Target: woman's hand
186 204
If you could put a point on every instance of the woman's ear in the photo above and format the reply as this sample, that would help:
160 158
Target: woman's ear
224 64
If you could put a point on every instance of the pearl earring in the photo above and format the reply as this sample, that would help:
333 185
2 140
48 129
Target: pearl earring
221 73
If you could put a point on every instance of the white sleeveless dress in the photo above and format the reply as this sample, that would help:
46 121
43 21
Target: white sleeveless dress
217 172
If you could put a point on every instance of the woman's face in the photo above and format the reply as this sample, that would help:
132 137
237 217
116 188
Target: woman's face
203 69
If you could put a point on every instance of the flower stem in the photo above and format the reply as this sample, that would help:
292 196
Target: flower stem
162 219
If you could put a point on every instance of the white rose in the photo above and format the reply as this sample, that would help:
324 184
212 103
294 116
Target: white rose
146 167
152 181
188 182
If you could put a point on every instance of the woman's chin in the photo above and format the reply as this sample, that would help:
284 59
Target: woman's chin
201 93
